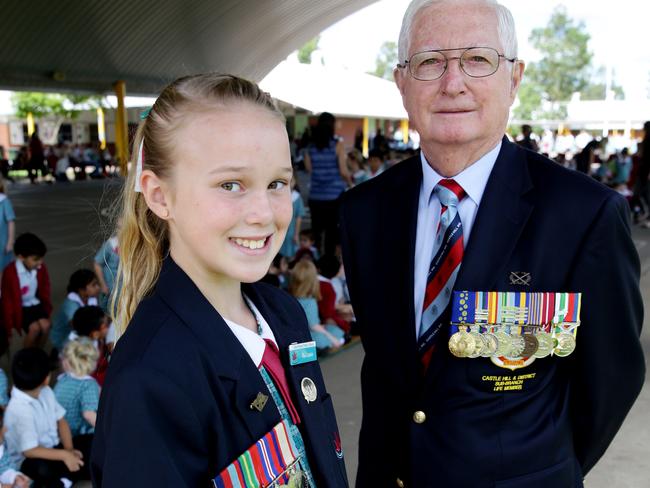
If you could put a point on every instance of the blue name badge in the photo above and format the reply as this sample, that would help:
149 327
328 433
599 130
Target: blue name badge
304 352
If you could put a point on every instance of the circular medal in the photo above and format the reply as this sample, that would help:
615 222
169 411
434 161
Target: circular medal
517 346
531 346
308 388
479 344
461 344
545 345
566 344
491 344
503 344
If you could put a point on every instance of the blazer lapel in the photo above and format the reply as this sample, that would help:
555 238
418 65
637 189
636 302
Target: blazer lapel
502 215
400 214
228 358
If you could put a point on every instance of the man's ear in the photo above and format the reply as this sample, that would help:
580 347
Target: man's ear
517 76
156 193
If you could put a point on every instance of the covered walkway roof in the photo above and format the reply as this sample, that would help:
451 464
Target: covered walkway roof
68 45
339 91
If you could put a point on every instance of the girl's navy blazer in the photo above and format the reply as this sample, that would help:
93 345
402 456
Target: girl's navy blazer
176 405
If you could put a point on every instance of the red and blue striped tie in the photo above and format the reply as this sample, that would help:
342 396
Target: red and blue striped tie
447 257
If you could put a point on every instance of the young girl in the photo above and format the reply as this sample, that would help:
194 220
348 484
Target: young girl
10 476
77 391
305 287
7 228
212 369
83 289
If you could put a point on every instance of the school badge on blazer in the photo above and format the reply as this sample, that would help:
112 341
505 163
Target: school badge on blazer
513 328
272 462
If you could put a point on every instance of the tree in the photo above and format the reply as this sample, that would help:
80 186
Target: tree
564 67
305 52
55 105
386 60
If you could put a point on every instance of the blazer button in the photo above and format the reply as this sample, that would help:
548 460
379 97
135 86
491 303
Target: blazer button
400 483
419 417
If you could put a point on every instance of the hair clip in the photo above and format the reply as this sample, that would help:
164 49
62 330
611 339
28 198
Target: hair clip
145 113
138 167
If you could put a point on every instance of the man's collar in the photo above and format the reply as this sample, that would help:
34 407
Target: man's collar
473 179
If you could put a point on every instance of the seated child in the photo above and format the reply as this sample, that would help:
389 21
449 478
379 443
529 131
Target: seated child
308 243
91 323
10 477
83 289
305 287
26 303
329 309
76 391
38 436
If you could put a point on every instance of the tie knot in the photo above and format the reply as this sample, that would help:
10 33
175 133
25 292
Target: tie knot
449 192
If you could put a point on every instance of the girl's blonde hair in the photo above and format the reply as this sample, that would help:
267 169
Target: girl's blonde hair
143 237
304 280
81 356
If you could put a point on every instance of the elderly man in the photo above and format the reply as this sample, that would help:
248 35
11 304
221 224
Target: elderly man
474 212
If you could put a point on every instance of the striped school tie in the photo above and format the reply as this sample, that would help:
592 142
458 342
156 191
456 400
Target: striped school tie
447 257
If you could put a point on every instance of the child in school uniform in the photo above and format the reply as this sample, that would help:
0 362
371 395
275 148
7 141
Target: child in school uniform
38 436
10 475
304 285
4 390
7 228
91 323
290 244
83 290
212 368
106 264
78 392
25 300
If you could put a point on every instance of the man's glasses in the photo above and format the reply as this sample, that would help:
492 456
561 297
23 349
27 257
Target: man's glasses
477 62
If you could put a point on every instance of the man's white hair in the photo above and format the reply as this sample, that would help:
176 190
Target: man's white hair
505 25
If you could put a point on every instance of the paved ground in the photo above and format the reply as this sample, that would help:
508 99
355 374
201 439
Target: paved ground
72 221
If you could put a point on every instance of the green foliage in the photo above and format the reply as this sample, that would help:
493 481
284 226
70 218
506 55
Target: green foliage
43 104
386 60
304 53
564 67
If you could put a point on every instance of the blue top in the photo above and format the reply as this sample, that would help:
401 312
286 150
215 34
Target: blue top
108 258
77 395
62 323
326 180
4 389
6 215
310 306
289 247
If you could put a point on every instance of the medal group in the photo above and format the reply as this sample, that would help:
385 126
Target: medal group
513 325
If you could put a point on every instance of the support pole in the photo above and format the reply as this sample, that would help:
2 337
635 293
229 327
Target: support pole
404 127
121 128
101 128
365 137
30 124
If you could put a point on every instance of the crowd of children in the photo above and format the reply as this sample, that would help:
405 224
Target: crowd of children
46 433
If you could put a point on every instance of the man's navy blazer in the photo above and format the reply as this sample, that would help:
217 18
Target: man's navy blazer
570 234
176 405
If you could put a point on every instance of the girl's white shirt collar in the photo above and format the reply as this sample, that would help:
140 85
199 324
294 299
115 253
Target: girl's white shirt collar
252 342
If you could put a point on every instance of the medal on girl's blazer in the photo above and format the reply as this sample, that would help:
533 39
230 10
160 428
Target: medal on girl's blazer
545 346
462 344
566 344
